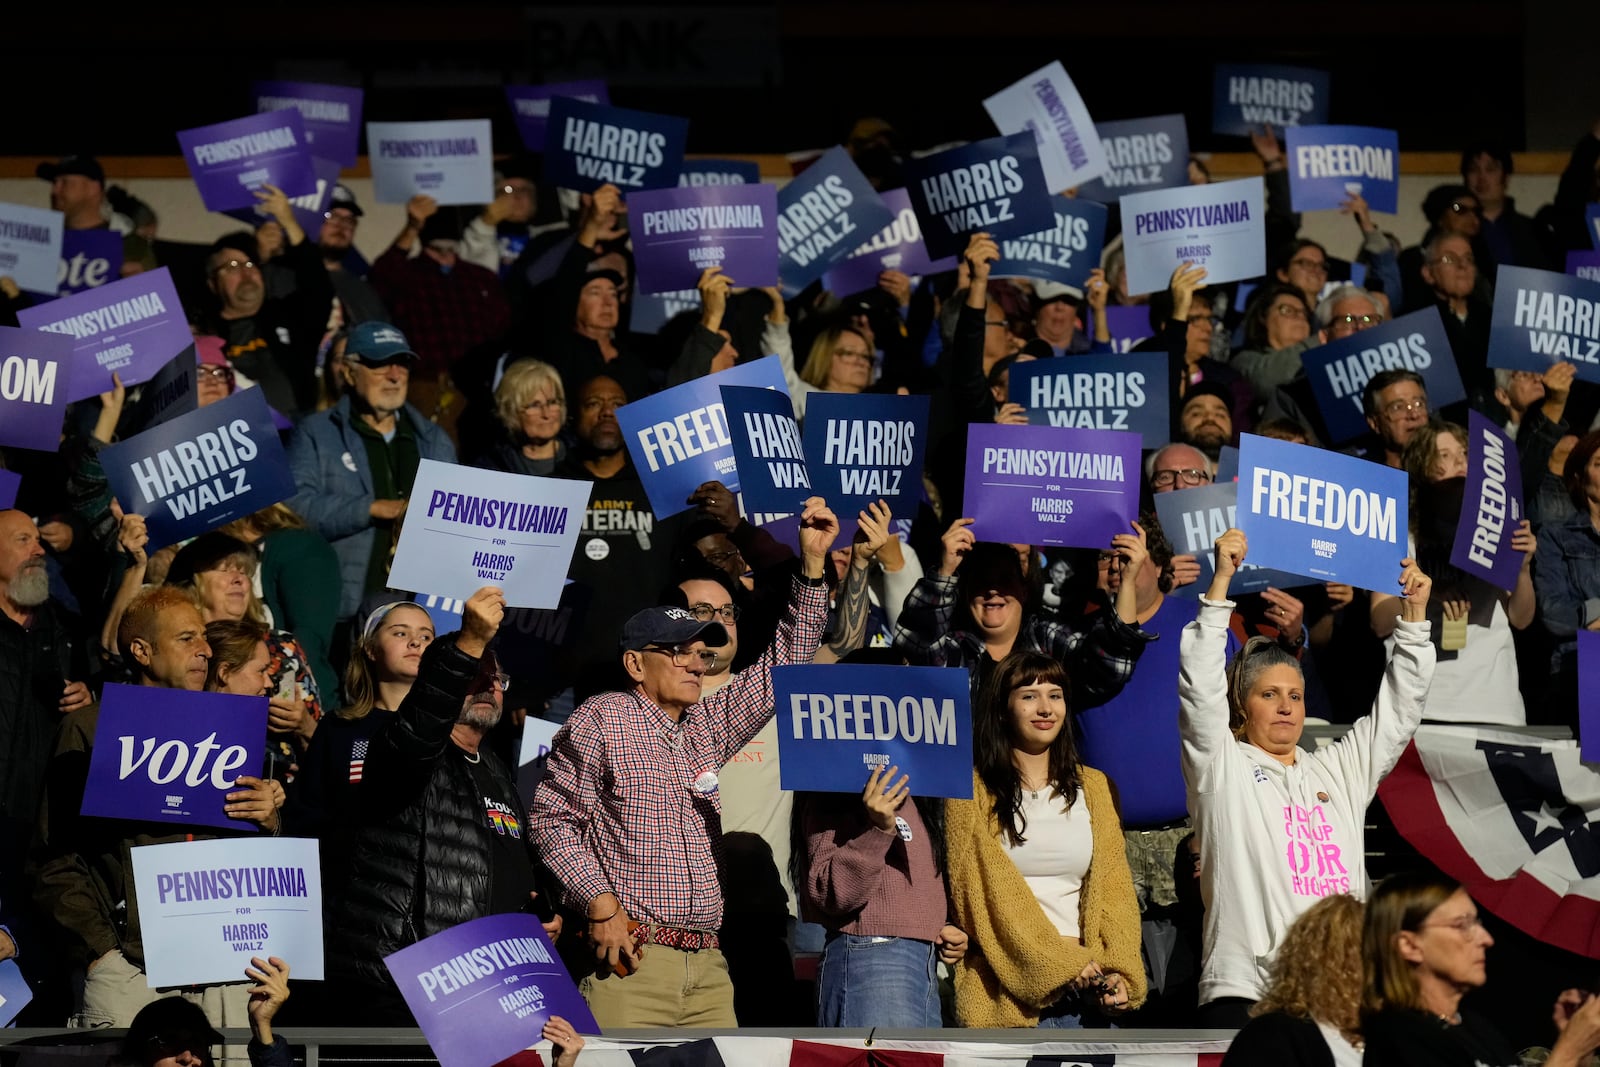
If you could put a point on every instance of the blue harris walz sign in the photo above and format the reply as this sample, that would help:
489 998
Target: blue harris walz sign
994 186
823 215
590 145
862 447
1141 154
1339 370
1116 392
1247 96
1193 519
1542 318
1064 253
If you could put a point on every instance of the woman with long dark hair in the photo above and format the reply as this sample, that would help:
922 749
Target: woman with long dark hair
1038 873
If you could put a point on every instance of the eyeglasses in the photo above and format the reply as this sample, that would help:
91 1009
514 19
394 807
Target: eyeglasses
517 190
221 374
1362 322
1310 266
233 266
1457 207
999 324
1204 319
500 681
707 612
682 657
1187 476
1395 408
342 217
717 559
1289 311
1466 926
855 355
1452 260
542 405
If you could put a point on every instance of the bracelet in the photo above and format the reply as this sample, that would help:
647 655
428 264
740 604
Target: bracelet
608 918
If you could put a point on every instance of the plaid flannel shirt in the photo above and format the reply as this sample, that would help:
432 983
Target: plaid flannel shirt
616 811
1099 660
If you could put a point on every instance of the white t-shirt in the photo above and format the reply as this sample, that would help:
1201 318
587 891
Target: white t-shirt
1055 857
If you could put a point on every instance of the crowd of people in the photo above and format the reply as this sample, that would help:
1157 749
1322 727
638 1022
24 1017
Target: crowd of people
1139 771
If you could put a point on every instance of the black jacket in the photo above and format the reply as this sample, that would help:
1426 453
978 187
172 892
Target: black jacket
423 848
35 665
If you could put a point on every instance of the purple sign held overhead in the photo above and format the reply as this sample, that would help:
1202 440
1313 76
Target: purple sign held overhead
231 160
89 259
530 106
309 210
1491 506
1044 485
33 397
332 115
483 990
130 327
1582 263
10 482
898 246
172 755
1128 325
677 233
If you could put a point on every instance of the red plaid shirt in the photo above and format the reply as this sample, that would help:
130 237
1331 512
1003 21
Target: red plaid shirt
616 811
443 314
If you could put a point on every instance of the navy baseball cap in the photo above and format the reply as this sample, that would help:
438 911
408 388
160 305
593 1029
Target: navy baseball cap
377 344
667 627
87 166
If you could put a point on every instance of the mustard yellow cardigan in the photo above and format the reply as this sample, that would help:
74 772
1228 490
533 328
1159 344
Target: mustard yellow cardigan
1018 963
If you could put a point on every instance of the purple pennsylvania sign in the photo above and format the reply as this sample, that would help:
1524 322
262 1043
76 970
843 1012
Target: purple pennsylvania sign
173 755
530 106
898 246
1045 485
677 233
331 113
33 395
1491 506
483 990
231 160
129 327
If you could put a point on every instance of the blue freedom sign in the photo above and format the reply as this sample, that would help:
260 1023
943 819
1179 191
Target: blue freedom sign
590 145
824 213
201 470
1491 506
1141 155
1247 96
1221 227
698 172
1542 318
863 447
769 453
1339 370
173 755
1115 392
1330 164
1064 253
1193 519
993 186
837 723
1327 516
678 439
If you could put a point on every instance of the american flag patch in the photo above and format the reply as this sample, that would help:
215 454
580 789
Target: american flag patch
358 759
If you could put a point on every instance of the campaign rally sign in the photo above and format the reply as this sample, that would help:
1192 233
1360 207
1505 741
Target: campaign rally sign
898 246
1141 154
677 233
1330 517
10 482
530 106
15 993
207 907
1227 464
865 447
468 528
1591 215
590 145
450 160
769 453
994 186
1220 227
231 160
1047 104
698 172
30 246
172 755
483 990
651 311
1248 96
1588 695
33 393
678 439
1330 164
1491 506
1044 485
534 753
824 214
1339 370
1065 253
331 113
201 470
173 391
1541 318
1582 263
1128 325
1115 392
1193 519
309 210
130 327
89 259
837 724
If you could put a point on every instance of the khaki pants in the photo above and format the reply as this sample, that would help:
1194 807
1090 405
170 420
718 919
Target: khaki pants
115 990
671 988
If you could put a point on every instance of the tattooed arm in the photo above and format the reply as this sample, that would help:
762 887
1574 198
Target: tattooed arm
854 602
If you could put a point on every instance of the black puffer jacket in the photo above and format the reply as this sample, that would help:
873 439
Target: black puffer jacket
423 849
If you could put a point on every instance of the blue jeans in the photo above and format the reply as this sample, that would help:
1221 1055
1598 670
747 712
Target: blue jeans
877 981
1071 1013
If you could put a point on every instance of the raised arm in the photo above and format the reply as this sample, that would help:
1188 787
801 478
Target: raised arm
1203 711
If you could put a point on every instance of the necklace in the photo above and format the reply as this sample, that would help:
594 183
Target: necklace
1033 790
471 757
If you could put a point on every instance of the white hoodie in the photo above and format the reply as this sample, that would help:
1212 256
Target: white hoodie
1274 839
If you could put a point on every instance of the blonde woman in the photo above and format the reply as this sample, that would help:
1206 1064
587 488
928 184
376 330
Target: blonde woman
532 406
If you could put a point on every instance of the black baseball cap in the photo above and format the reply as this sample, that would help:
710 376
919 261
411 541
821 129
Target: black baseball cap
343 197
87 166
666 627
169 1023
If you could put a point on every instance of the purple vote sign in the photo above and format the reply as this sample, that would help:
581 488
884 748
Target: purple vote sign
332 115
677 233
89 259
33 396
10 482
530 106
130 327
231 160
483 990
1491 506
172 755
1046 485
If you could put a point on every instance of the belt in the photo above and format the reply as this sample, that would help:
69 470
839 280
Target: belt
675 937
